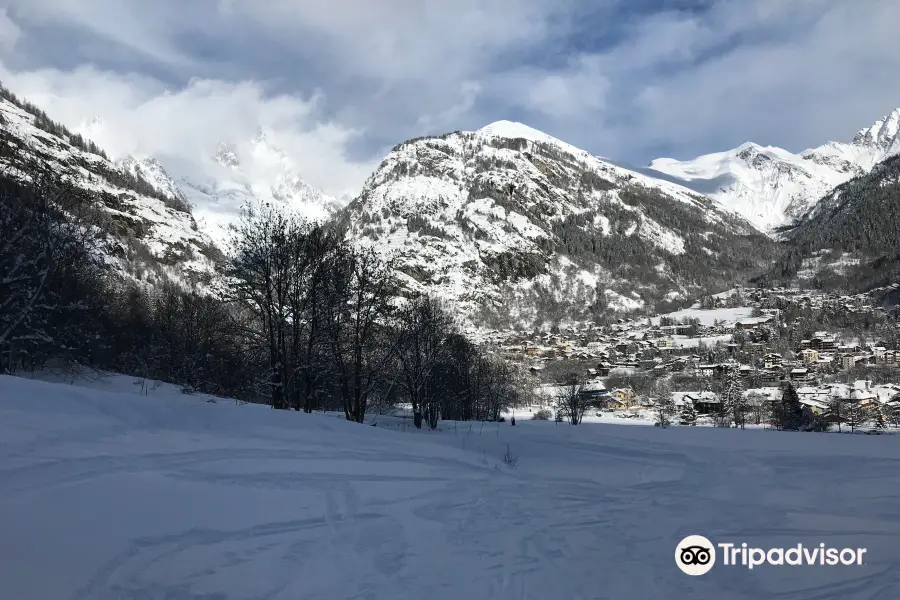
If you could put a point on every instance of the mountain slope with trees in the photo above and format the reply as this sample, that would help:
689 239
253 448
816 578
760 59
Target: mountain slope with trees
148 231
510 224
849 239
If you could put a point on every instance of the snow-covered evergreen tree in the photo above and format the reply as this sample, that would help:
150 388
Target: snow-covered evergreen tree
788 414
878 418
688 414
732 407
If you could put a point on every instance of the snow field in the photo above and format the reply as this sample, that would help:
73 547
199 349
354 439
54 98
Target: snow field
110 494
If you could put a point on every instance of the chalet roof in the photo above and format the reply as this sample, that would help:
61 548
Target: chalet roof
755 320
679 398
813 403
594 386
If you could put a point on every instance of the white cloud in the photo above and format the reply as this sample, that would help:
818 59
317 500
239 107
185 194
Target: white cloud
794 74
140 116
796 89
365 75
406 39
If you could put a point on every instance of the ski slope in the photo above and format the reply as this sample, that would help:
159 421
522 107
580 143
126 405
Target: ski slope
115 495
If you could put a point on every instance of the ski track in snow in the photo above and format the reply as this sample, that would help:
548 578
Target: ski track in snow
115 496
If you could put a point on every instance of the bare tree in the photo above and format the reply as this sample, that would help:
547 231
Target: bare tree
664 405
281 269
571 402
731 406
314 255
362 289
260 276
835 414
423 329
756 407
856 415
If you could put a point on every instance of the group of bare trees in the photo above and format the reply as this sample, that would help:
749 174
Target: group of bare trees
282 275
330 319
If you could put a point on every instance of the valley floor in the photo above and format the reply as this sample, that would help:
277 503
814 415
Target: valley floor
112 494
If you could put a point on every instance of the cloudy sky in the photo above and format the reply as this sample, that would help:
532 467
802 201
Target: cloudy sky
341 81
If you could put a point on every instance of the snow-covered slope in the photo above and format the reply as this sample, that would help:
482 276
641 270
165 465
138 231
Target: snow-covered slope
772 187
112 495
510 220
149 228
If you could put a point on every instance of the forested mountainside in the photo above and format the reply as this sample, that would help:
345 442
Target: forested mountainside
515 226
147 227
772 187
848 240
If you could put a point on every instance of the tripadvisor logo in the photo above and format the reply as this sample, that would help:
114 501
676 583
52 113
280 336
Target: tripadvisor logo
696 555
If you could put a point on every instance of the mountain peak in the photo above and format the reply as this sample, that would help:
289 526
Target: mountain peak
748 146
514 129
226 156
510 129
880 134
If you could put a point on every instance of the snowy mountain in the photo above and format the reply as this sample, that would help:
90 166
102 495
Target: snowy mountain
848 240
508 221
772 187
149 231
257 172
219 185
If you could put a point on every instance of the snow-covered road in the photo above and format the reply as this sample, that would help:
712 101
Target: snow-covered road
114 495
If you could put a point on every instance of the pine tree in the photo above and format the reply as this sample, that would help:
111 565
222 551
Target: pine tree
688 414
732 406
789 414
878 417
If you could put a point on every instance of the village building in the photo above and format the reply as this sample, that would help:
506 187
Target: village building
810 356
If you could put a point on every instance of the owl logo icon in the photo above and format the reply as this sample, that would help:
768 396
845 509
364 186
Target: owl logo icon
695 555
